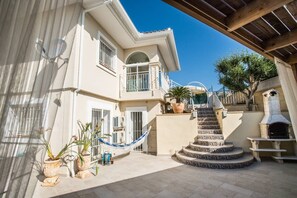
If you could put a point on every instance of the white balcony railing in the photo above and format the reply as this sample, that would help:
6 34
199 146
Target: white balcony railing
144 81
137 82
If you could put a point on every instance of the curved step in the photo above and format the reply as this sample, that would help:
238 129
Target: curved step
210 137
209 131
234 154
210 142
215 126
244 161
212 149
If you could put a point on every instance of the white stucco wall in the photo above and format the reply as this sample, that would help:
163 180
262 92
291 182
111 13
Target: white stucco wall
238 125
175 131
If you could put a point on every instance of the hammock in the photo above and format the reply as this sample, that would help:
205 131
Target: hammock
129 146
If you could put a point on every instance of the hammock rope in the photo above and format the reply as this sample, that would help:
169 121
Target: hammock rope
129 146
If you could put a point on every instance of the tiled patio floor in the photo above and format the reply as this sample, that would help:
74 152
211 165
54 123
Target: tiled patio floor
140 175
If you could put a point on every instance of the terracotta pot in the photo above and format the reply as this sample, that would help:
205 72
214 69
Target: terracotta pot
51 168
85 164
178 107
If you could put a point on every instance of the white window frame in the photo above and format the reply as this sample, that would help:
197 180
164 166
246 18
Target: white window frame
137 65
114 59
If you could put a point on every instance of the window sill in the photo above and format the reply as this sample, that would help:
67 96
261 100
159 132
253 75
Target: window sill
107 70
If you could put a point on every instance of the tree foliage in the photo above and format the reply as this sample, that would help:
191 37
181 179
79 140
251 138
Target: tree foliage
243 72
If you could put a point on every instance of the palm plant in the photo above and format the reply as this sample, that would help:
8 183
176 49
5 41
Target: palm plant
86 135
179 93
51 156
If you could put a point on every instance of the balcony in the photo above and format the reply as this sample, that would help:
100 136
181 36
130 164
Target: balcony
143 86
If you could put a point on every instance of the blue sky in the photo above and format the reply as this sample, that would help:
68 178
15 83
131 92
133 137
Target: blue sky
198 45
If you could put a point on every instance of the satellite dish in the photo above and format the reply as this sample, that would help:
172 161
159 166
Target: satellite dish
52 50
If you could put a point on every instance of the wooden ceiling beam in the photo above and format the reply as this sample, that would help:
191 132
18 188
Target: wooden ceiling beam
281 41
202 15
253 11
292 59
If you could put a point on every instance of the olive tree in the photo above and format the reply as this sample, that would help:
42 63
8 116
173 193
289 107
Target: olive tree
243 72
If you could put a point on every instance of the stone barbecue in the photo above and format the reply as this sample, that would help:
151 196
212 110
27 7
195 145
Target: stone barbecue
274 125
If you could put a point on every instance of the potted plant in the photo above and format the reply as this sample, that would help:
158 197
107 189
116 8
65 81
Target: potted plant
179 93
85 137
52 164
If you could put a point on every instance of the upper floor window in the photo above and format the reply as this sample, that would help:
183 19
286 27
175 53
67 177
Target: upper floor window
137 57
107 55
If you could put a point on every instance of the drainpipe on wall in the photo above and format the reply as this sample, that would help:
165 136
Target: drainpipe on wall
79 74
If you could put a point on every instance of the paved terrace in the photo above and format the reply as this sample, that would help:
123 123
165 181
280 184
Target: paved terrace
140 175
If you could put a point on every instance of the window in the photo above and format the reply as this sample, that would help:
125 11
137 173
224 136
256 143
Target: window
138 78
106 55
99 116
116 122
23 119
137 73
137 57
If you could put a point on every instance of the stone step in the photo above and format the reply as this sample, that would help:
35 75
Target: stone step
210 142
204 109
212 149
212 122
234 154
205 119
244 161
216 126
206 115
210 137
209 131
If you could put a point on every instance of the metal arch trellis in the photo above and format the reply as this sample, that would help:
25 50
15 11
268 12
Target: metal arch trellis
200 85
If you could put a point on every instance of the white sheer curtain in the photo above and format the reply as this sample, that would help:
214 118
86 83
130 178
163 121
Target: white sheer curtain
36 38
289 86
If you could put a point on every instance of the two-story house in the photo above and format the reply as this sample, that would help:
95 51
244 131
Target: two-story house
116 75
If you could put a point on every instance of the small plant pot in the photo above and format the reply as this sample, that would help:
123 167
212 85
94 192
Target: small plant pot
178 107
85 164
51 168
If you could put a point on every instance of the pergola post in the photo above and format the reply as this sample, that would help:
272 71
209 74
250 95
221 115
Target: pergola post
289 86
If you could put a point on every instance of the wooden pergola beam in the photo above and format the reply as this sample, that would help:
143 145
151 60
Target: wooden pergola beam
210 18
253 11
292 59
281 41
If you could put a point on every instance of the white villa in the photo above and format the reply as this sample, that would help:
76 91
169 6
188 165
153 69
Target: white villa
116 75
84 60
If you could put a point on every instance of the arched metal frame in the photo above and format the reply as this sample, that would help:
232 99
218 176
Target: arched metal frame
200 85
136 52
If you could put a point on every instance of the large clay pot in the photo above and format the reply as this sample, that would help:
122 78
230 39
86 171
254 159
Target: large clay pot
178 107
85 164
51 168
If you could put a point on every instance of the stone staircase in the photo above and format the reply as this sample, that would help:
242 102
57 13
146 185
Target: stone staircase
209 149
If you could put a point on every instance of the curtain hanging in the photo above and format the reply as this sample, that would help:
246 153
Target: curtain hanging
36 38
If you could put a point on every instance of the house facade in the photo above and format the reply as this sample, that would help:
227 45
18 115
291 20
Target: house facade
116 76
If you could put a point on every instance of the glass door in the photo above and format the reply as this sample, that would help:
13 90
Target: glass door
136 125
137 78
136 118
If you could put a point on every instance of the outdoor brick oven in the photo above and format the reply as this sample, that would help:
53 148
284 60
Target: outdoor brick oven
274 125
